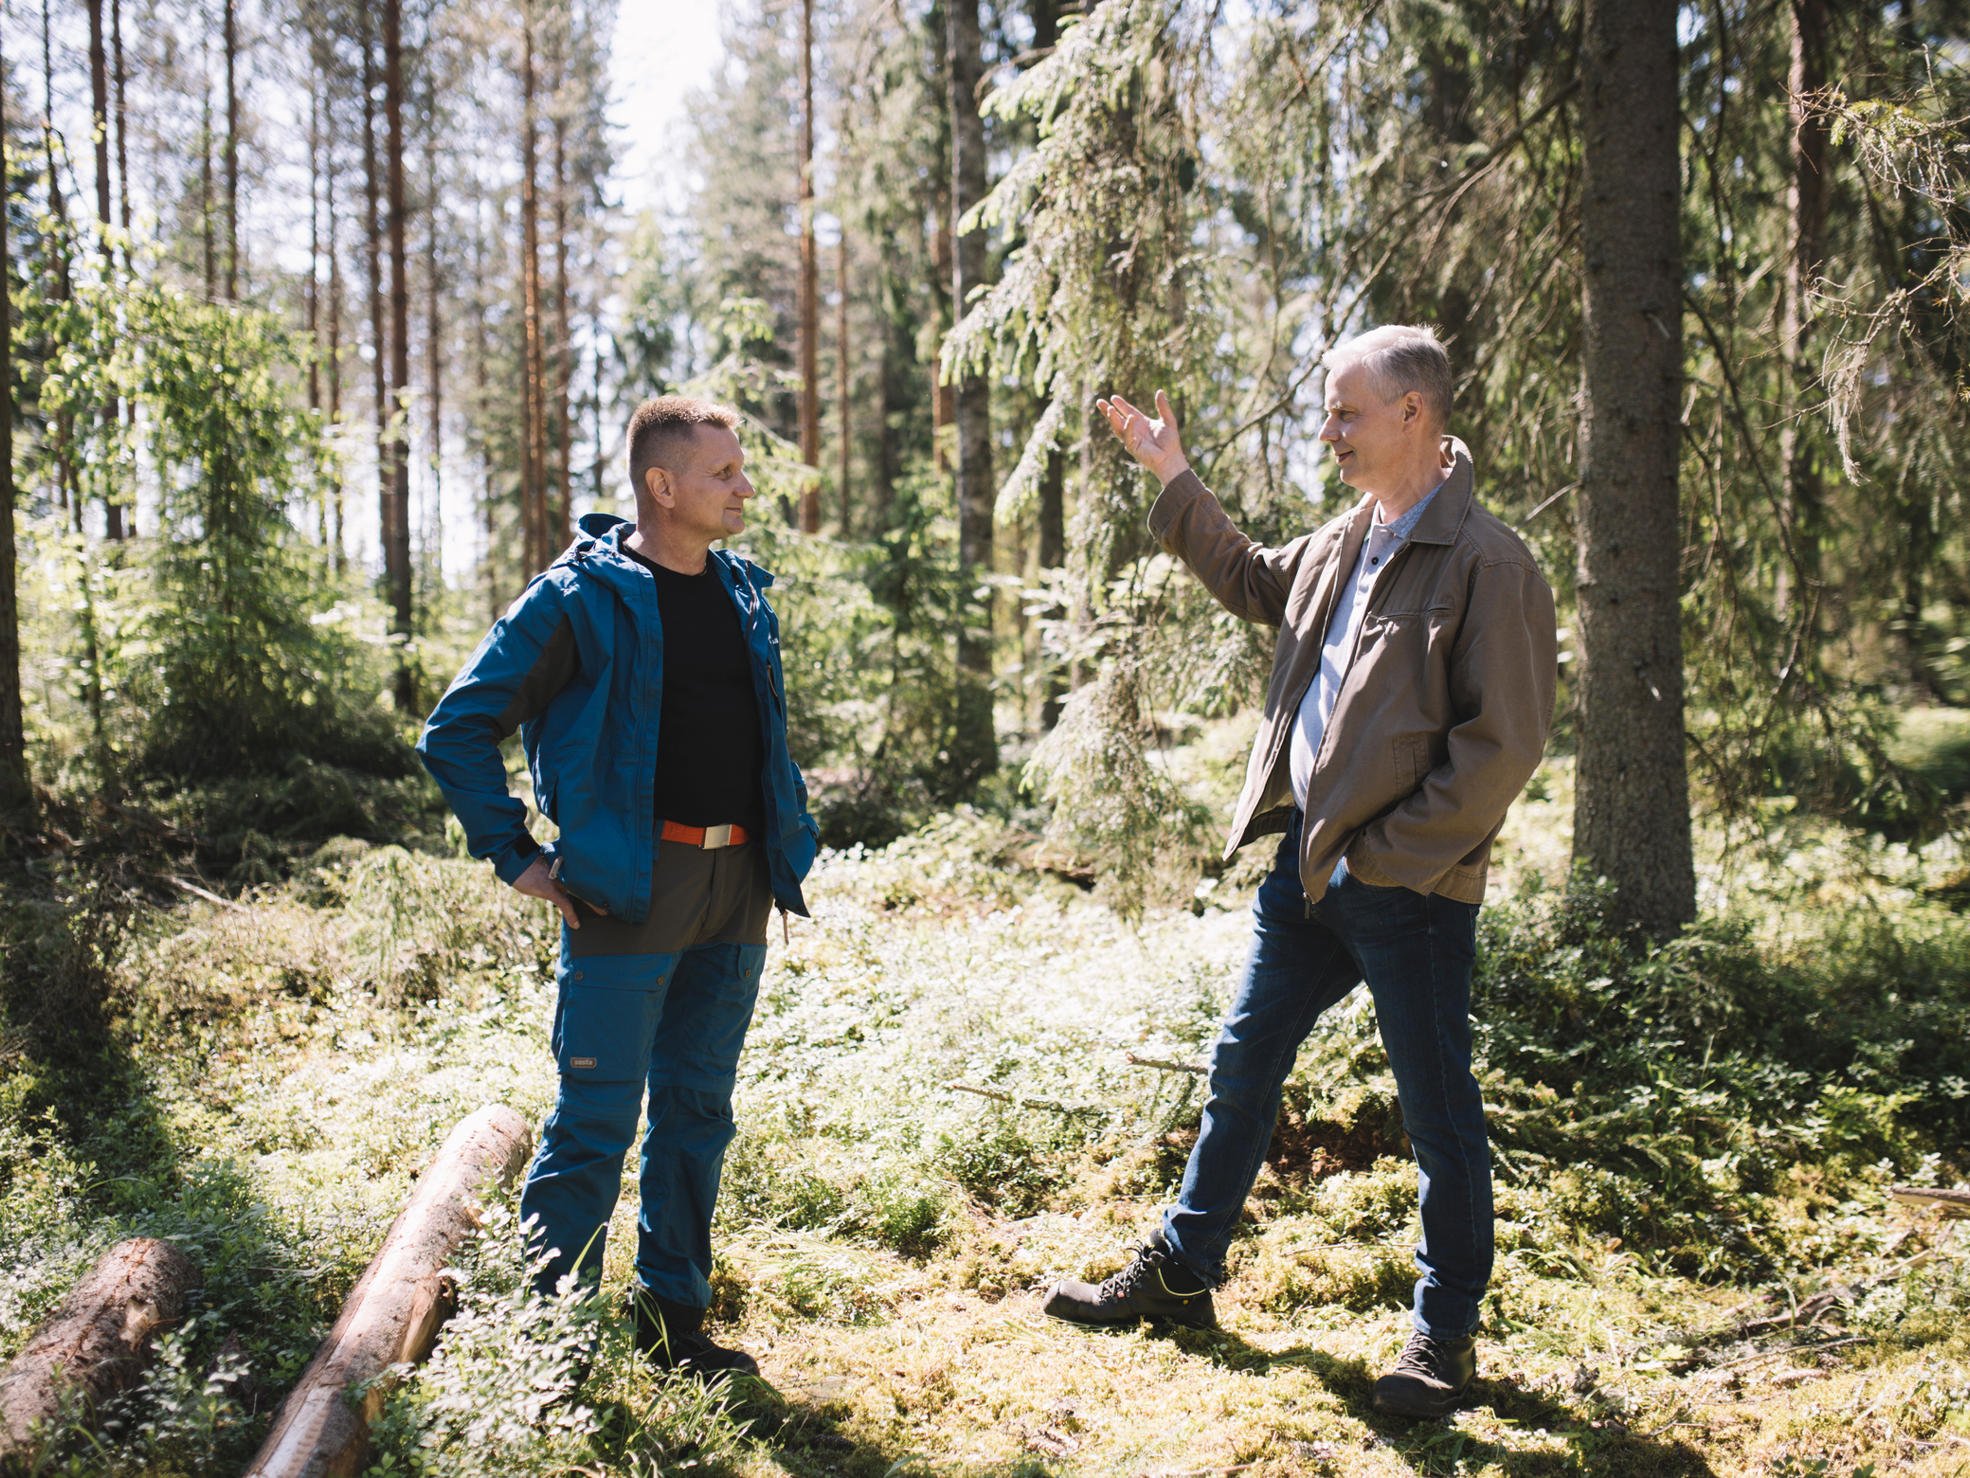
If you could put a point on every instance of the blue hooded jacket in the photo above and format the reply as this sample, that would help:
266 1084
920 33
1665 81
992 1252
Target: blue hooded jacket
576 664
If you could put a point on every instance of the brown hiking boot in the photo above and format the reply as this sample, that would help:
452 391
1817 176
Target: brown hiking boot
1153 1286
1430 1379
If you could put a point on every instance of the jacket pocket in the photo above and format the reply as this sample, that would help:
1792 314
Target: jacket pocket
1412 760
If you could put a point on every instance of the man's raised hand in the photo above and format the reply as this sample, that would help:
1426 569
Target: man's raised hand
1151 440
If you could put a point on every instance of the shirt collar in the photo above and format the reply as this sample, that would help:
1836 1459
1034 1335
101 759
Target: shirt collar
1405 522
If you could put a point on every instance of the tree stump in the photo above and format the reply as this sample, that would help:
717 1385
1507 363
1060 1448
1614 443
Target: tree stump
396 1307
97 1343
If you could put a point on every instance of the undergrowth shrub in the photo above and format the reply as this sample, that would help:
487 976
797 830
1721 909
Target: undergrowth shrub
1669 1093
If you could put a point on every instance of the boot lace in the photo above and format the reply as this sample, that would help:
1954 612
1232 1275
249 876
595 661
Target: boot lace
1423 1357
1122 1284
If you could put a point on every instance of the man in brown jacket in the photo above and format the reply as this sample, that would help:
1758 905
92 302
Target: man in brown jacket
1411 694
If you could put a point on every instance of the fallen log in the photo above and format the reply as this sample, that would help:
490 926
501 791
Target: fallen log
1950 1203
396 1307
97 1343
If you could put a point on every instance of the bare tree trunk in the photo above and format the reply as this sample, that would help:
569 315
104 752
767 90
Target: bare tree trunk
810 289
111 411
61 286
434 360
396 553
16 789
373 270
974 744
489 486
1631 808
533 490
1051 514
844 385
335 511
231 42
312 294
1805 213
564 361
943 396
122 132
208 251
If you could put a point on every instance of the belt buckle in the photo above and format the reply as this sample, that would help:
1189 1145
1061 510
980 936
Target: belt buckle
717 836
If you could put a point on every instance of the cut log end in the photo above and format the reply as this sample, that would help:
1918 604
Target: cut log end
97 1343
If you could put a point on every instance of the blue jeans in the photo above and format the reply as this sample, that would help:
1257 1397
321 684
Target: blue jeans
1415 952
671 1023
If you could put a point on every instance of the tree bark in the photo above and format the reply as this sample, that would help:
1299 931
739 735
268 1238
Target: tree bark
231 43
61 286
394 1311
97 1343
373 270
844 383
1051 514
111 411
396 553
564 360
810 292
312 296
208 249
16 790
1631 807
434 358
533 490
1805 218
974 740
335 507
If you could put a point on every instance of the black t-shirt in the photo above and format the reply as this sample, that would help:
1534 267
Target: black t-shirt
709 749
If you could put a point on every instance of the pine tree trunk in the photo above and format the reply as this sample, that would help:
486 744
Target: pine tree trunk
533 490
1051 514
975 745
844 380
396 554
1631 807
434 362
313 293
231 42
810 290
61 286
111 411
208 251
335 510
373 273
564 362
1805 219
16 793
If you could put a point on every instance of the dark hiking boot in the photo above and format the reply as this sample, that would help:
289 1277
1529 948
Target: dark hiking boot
670 1336
1153 1286
1430 1378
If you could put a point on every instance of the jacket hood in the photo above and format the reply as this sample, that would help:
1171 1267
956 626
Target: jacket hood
597 546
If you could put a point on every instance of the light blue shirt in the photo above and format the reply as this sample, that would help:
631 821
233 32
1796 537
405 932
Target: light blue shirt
1378 551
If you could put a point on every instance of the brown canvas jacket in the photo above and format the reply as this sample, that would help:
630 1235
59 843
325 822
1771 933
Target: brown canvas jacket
1444 710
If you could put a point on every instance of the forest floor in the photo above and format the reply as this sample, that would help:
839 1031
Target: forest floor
1732 1292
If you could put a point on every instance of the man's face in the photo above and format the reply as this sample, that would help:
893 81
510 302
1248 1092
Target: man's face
1373 436
706 491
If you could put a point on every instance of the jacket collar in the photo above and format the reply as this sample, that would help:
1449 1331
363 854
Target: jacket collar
597 547
1444 519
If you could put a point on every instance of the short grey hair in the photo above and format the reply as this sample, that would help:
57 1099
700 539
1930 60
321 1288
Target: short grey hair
1402 357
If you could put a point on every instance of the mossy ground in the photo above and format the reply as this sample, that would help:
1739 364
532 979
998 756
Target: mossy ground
273 1070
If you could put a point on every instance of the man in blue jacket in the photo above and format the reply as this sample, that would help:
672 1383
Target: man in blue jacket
642 669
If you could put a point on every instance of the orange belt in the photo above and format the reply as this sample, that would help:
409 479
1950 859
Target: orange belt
707 837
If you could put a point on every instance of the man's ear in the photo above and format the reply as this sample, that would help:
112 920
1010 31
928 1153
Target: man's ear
1412 407
656 483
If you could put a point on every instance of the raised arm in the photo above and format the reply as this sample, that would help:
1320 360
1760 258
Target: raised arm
1249 580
